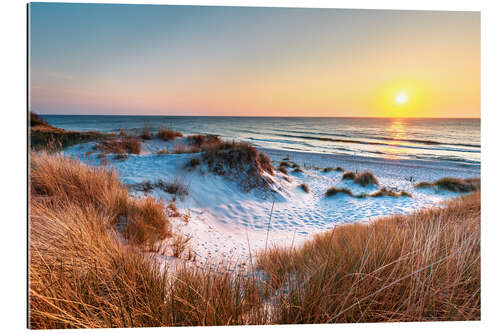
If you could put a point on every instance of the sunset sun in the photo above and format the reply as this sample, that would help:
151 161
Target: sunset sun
401 98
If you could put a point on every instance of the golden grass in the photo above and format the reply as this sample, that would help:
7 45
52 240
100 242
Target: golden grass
363 179
119 146
420 267
424 266
168 134
61 181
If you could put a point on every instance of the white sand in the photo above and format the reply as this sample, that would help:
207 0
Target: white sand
226 221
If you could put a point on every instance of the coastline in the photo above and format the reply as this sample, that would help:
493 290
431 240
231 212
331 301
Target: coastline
222 225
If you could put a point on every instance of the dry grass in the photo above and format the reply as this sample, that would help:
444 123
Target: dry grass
193 163
167 134
146 133
283 170
62 181
46 137
121 145
201 140
363 179
454 184
420 267
234 159
424 266
383 192
305 187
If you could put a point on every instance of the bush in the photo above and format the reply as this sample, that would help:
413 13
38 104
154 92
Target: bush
168 134
348 175
305 187
239 160
200 140
122 145
193 163
146 133
363 179
283 170
454 184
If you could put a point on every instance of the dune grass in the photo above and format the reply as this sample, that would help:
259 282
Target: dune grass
305 187
383 192
454 184
46 137
146 133
167 134
232 159
424 266
119 145
329 169
363 179
420 267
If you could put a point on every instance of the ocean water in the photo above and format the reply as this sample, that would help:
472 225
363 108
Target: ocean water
452 140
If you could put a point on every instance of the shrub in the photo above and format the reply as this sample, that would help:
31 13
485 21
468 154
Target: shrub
297 169
193 163
36 120
334 191
183 149
305 187
122 145
363 179
176 187
285 164
283 170
454 184
233 159
200 140
168 134
146 133
348 175
328 169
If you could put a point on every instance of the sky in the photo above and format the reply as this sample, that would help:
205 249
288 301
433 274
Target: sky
250 61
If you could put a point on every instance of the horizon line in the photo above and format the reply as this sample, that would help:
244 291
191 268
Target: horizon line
221 116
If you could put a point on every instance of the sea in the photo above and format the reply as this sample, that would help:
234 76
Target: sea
452 140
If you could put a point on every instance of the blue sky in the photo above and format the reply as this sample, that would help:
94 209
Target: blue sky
191 60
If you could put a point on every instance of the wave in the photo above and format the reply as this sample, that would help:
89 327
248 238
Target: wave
361 142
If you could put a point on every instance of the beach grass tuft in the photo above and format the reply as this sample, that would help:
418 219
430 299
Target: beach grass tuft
167 134
305 187
454 184
363 179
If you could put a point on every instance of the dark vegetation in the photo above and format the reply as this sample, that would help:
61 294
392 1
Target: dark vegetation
305 187
328 169
233 159
380 193
44 136
119 145
283 170
454 184
167 134
146 133
175 187
363 179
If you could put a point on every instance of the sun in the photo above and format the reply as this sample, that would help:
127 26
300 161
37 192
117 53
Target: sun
401 98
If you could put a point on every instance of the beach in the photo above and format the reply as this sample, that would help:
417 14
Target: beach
226 224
